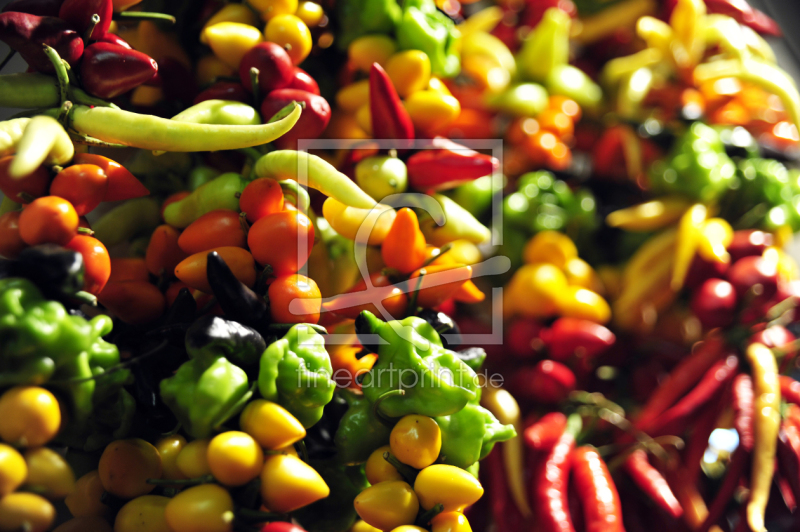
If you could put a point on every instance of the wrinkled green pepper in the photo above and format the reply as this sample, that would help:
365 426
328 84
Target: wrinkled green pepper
336 512
424 28
470 434
205 393
458 224
220 193
697 167
295 372
411 358
360 431
361 17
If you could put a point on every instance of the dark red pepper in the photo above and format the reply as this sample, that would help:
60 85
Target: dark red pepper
79 14
522 338
225 90
789 455
743 410
108 70
312 122
737 467
301 80
677 419
550 480
652 483
111 38
568 337
507 516
546 382
790 389
544 434
27 33
602 511
390 120
697 443
447 165
42 8
748 242
275 68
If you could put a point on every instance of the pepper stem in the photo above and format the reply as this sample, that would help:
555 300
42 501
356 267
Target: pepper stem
406 471
205 479
412 303
427 516
254 73
384 419
61 72
93 22
7 58
301 197
80 138
143 15
85 231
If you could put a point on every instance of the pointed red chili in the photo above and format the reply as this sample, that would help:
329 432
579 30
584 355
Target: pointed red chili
743 413
108 70
390 120
447 166
27 33
568 337
602 509
652 483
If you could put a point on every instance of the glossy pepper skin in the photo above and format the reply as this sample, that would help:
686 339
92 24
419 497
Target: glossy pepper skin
360 431
58 272
448 166
204 393
220 193
424 28
335 512
390 120
598 494
652 482
413 346
212 336
27 33
469 435
236 299
79 14
743 409
362 17
108 70
295 372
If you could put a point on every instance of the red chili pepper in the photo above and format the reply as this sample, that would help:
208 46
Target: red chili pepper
737 467
790 389
743 410
506 515
225 90
569 337
27 33
685 375
312 122
108 70
111 38
122 184
785 489
546 382
545 433
42 8
447 165
390 120
598 494
522 338
698 440
79 14
677 418
549 482
789 455
652 483
302 80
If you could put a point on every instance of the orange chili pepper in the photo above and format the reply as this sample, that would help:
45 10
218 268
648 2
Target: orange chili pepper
359 298
163 252
404 246
347 368
439 283
218 228
192 270
122 184
133 302
470 124
132 269
469 293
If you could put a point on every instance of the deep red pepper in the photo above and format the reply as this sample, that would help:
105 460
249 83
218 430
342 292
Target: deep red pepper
390 120
79 14
569 337
546 382
743 410
677 418
550 480
698 439
275 69
789 455
544 434
790 389
301 80
447 165
652 483
506 515
42 8
225 90
122 184
737 467
598 493
27 33
685 375
111 38
108 70
786 491
312 122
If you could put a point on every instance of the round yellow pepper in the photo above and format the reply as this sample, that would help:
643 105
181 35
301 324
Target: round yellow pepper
410 71
577 302
291 33
416 440
450 486
231 13
387 505
430 111
378 469
231 40
550 246
273 8
450 522
310 12
369 49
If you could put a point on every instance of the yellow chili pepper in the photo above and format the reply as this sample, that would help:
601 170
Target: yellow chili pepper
364 118
409 71
288 483
689 228
649 254
159 44
766 423
431 111
484 20
230 13
271 425
416 441
618 15
363 526
686 20
550 246
360 225
649 216
580 273
387 505
351 97
369 49
578 302
715 236
378 469
44 141
458 224
450 522
450 486
534 290
231 40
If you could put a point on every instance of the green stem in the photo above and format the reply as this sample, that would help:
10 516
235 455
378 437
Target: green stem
427 516
61 72
442 250
85 297
412 303
205 479
79 96
384 419
93 22
143 15
254 73
7 58
303 450
8 205
80 138
406 471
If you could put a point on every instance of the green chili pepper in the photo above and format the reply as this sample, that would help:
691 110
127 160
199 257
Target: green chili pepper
295 372
476 196
360 431
697 167
200 175
546 47
31 90
522 99
204 393
134 217
221 193
470 434
424 28
153 133
572 82
411 358
459 223
219 112
361 17
336 512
